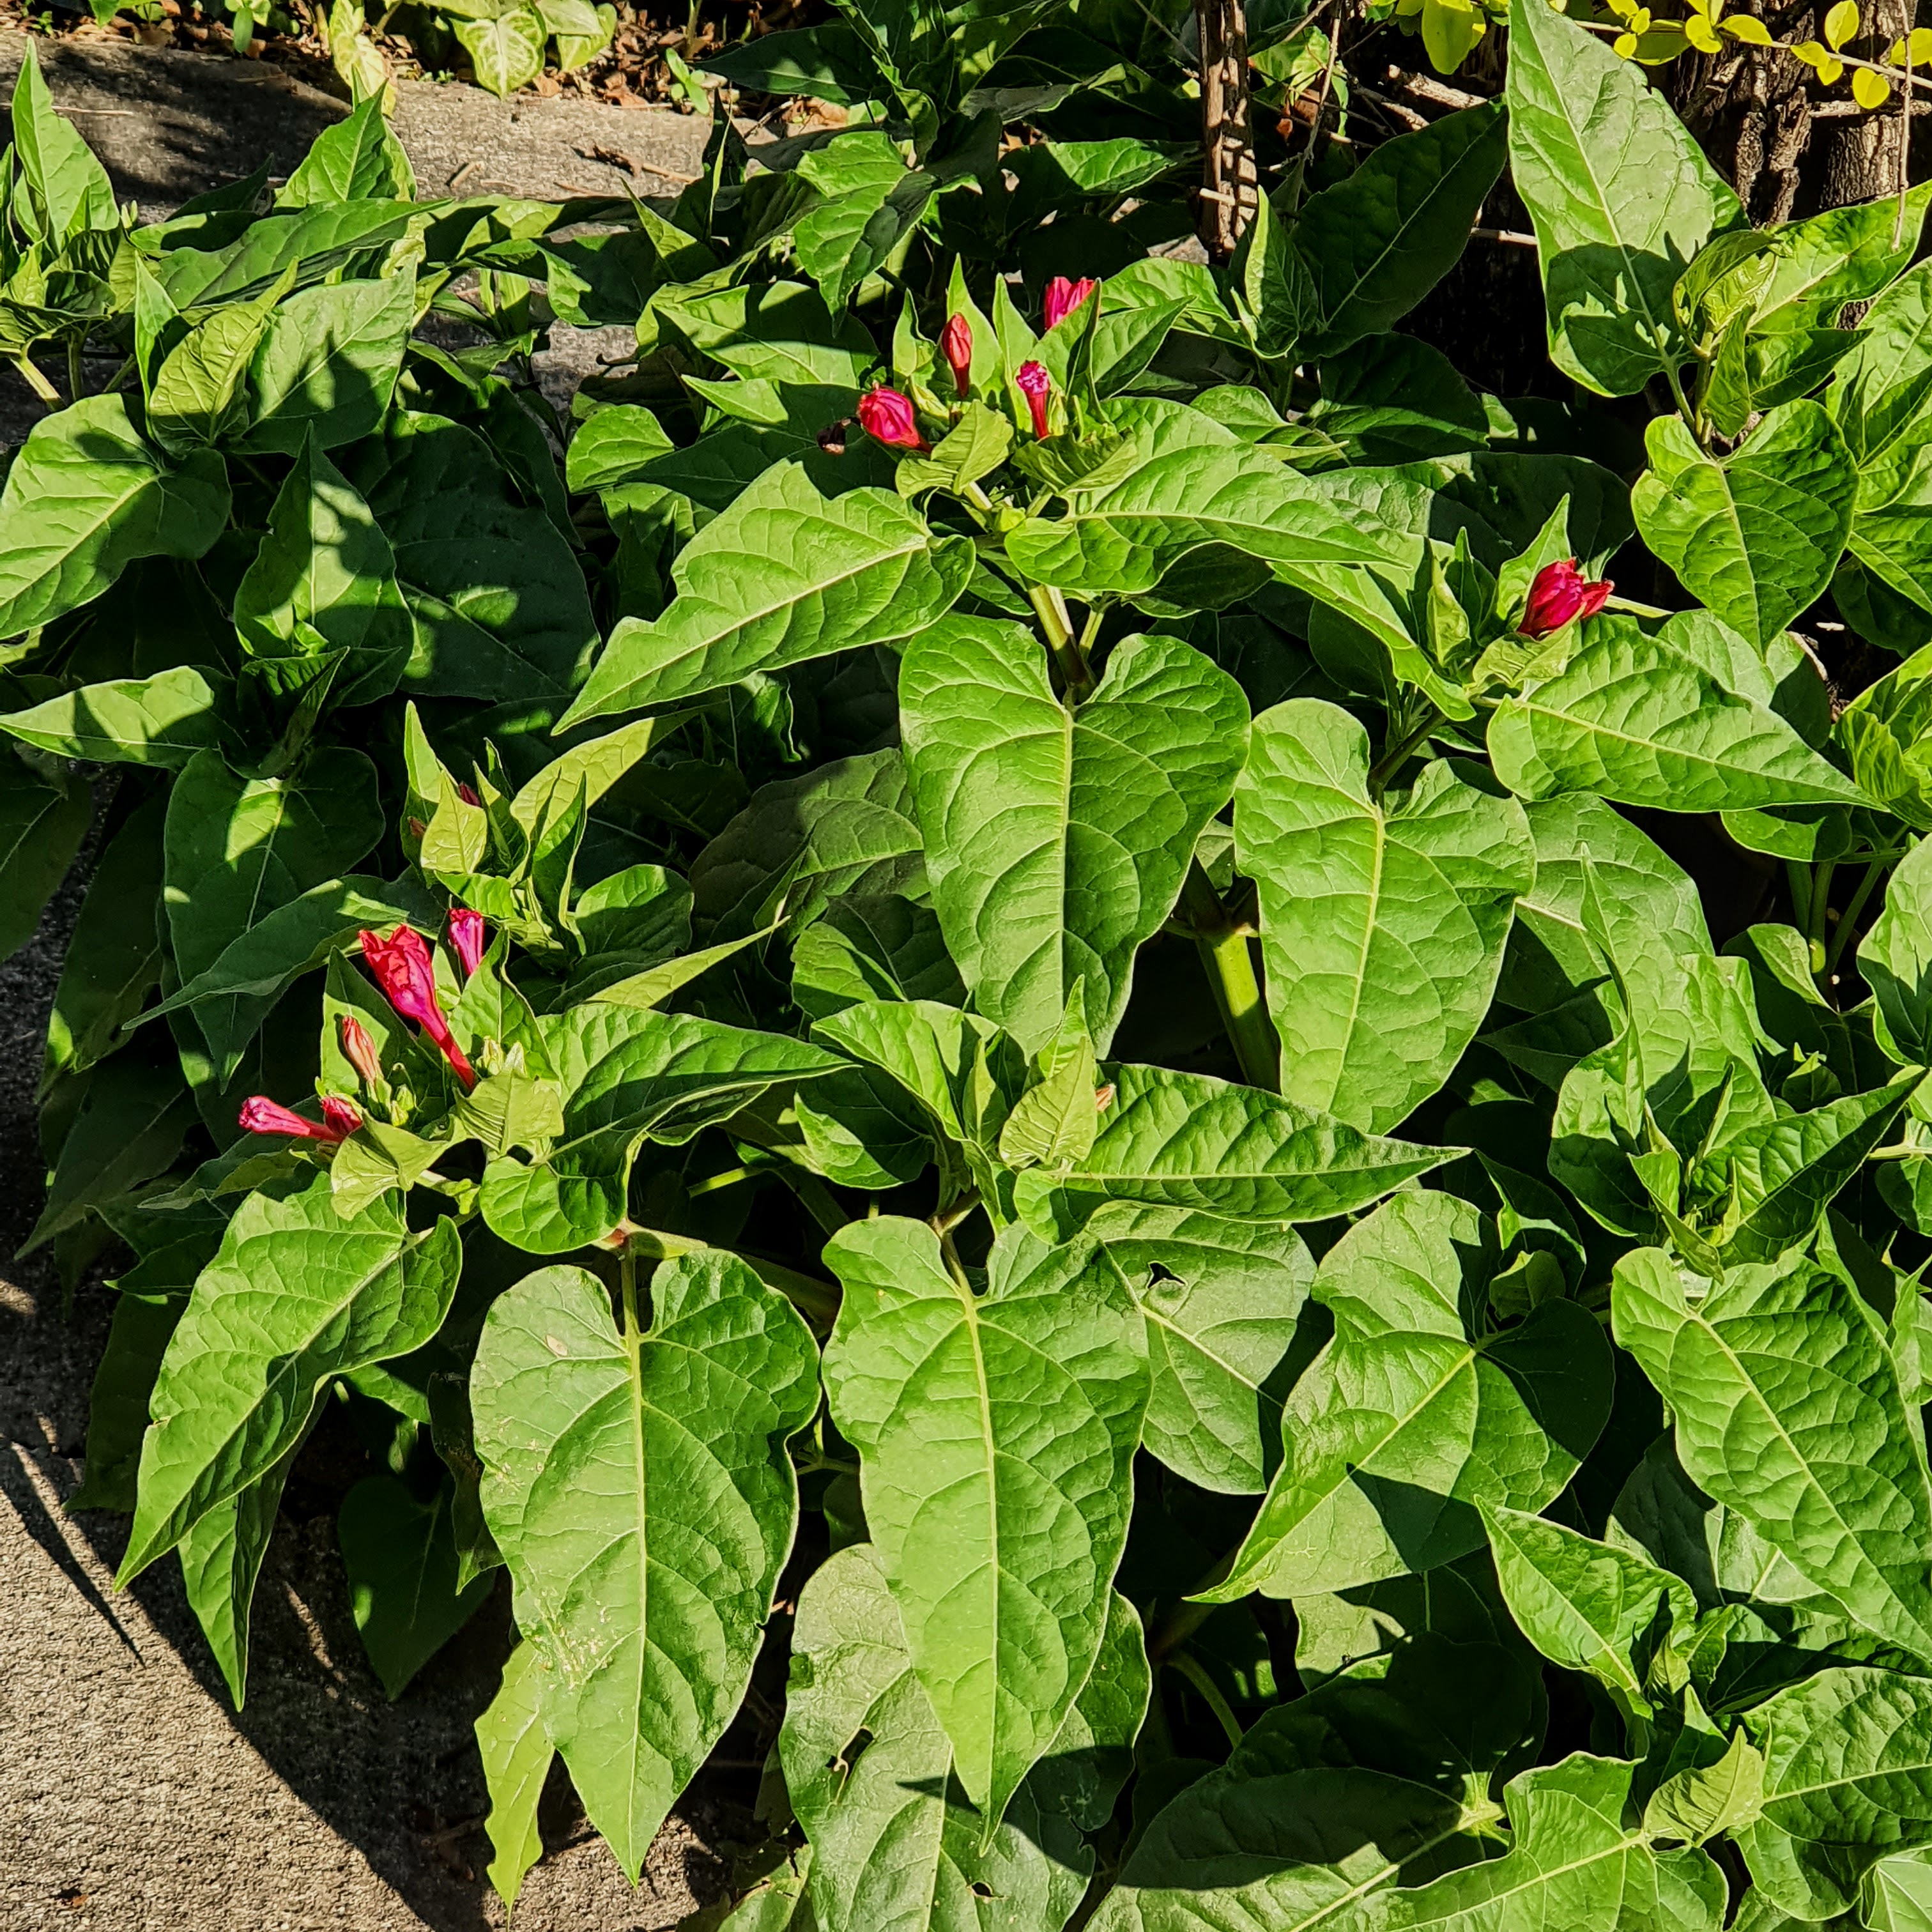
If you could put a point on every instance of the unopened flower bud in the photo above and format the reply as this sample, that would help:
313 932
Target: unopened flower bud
956 344
887 417
358 1049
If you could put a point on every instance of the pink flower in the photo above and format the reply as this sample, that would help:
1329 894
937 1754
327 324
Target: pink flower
261 1115
886 417
468 794
466 938
401 965
1064 297
1559 595
358 1048
1036 384
956 344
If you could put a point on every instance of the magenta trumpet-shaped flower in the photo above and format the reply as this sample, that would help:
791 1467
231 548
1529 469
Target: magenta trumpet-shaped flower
1064 297
340 1118
956 344
468 936
1036 384
1560 593
887 417
401 965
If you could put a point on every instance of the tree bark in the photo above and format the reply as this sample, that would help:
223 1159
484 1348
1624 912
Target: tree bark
1230 184
1751 109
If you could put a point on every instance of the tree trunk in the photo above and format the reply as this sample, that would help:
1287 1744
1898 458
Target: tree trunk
1780 139
1230 184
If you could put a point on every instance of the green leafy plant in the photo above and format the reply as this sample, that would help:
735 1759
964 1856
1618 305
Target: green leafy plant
985 1010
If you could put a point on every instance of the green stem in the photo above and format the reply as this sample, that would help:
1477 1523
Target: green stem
817 1199
1821 914
1683 408
1050 607
35 381
1391 761
1191 1668
1848 921
76 380
1090 632
1798 877
627 1277
714 1182
1230 967
1179 1621
817 1301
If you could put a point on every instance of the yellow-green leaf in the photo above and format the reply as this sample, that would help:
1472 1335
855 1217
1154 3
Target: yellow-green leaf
1841 23
1870 90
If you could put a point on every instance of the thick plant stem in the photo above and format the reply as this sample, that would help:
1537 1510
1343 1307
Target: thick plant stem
76 379
1050 607
35 381
1230 967
627 1277
1392 760
1820 918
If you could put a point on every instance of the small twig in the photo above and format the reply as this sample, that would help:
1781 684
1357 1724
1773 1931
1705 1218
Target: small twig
1408 116
1425 88
1510 237
469 167
101 113
1844 110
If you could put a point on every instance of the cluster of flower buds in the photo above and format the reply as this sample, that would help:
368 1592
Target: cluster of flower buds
1559 595
403 970
887 415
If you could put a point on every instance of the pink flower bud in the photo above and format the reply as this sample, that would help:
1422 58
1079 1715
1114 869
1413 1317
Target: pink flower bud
1064 297
401 965
1559 595
887 417
261 1115
468 794
358 1048
1036 384
467 938
344 1116
956 344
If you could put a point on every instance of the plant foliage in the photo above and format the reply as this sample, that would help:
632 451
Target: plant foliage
978 997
